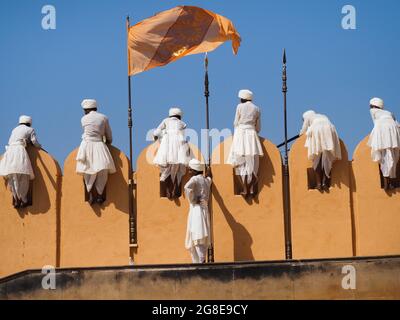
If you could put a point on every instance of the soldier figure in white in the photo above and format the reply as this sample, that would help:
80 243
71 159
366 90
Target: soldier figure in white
173 154
198 233
246 148
384 141
323 146
94 160
15 165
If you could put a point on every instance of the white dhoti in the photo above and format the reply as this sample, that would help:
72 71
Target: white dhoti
94 162
245 151
323 144
19 186
384 141
176 171
173 155
16 167
99 180
199 253
198 232
388 160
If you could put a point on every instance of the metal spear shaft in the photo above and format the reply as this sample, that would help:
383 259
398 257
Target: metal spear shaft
132 220
210 257
287 217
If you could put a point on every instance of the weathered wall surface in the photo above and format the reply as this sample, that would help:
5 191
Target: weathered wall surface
161 223
28 237
246 230
321 222
376 211
95 235
375 279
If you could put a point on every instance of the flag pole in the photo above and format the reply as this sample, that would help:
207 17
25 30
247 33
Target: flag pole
132 220
210 253
287 216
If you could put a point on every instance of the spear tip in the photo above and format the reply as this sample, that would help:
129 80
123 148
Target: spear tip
284 56
206 60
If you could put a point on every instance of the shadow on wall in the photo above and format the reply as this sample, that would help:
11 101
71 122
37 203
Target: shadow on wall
40 193
242 240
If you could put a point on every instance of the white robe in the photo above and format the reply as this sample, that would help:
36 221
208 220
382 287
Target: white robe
322 141
16 159
384 141
198 232
246 146
173 154
94 155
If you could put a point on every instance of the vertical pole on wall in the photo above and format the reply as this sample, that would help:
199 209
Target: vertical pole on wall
286 182
210 253
132 220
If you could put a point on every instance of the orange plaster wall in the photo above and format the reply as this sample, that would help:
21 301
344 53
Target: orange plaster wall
377 212
246 230
161 223
98 235
28 237
321 222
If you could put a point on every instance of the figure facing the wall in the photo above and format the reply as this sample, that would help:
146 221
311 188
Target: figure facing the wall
15 165
323 146
246 148
174 153
94 160
384 141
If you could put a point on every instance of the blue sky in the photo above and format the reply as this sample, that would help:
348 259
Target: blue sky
334 71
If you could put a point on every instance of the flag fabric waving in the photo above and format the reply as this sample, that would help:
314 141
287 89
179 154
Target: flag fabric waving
175 33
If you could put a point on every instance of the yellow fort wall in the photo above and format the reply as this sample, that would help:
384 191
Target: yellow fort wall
29 237
246 230
321 222
98 235
377 212
356 217
161 223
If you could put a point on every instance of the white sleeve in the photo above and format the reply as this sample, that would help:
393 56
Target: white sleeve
158 132
306 124
189 190
237 117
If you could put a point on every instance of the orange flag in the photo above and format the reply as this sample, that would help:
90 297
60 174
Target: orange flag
175 33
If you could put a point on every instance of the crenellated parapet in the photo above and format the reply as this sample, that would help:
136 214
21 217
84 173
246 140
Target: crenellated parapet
356 217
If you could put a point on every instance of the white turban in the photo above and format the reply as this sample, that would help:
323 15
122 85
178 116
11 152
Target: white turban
376 102
308 114
196 165
245 94
25 120
89 104
175 112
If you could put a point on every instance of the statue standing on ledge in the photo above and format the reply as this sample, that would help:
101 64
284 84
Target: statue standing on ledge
15 165
246 146
323 146
94 160
174 153
384 141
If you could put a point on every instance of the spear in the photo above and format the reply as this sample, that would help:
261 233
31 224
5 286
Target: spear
132 220
288 236
210 254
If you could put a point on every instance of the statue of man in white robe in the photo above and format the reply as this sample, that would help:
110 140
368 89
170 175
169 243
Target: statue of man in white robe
94 160
246 148
384 141
198 233
15 165
323 144
173 154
